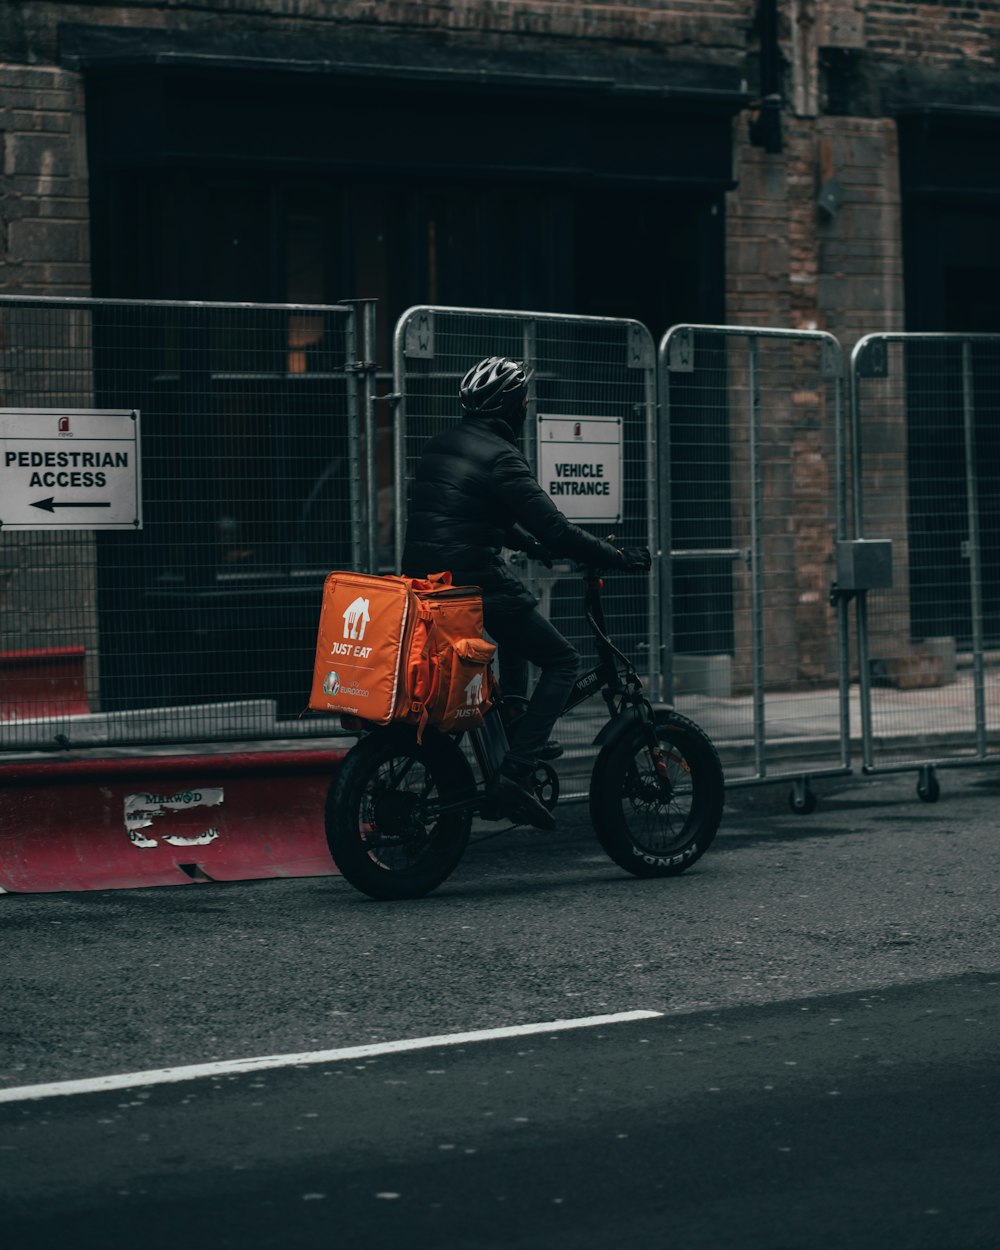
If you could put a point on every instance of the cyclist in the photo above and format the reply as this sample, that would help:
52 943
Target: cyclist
474 494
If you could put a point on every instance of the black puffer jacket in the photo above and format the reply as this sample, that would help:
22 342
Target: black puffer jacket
474 493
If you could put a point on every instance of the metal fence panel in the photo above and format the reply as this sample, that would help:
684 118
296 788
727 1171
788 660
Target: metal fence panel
200 623
926 415
587 369
754 422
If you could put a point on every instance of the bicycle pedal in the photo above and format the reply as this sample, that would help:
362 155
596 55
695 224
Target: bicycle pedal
518 803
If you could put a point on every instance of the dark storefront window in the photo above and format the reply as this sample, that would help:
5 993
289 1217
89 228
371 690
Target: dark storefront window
951 242
649 253
305 189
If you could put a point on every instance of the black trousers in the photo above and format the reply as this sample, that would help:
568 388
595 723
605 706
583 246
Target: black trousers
528 637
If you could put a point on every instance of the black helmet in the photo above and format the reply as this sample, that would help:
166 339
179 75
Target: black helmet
495 387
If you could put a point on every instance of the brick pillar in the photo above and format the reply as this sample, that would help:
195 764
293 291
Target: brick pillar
44 211
775 276
47 591
757 243
860 235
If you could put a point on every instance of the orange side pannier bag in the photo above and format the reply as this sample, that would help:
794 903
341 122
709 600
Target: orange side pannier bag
400 648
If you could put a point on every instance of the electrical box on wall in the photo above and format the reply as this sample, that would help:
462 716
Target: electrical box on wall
864 564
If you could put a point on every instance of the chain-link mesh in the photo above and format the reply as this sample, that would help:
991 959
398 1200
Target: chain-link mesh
927 415
587 369
201 624
755 425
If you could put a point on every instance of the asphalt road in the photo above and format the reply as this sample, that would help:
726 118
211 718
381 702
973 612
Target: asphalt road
823 1074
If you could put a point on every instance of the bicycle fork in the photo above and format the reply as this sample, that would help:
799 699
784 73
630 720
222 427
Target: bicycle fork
661 759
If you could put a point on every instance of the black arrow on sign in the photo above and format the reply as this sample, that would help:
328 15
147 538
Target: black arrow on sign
50 505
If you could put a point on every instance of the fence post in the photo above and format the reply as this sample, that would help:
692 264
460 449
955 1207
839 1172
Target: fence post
658 541
975 549
756 559
835 368
368 400
354 419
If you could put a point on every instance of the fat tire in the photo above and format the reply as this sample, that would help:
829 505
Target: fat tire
645 835
415 866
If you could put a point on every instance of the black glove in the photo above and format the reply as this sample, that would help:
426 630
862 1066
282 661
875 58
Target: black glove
635 559
535 551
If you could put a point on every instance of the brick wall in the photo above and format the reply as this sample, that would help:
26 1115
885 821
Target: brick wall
649 25
813 232
787 262
43 204
943 33
791 262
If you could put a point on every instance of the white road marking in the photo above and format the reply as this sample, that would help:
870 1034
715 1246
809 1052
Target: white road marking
234 1067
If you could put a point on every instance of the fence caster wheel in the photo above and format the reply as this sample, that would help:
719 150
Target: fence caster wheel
802 800
928 787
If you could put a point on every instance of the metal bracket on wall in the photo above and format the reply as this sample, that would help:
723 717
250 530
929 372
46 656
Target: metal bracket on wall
873 359
420 336
680 357
640 348
863 564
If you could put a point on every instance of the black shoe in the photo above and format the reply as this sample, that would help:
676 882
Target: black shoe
551 751
489 809
511 792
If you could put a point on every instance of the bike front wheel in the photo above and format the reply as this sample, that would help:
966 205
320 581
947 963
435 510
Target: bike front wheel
656 796
386 832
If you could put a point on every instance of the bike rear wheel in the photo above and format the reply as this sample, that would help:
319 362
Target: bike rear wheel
382 825
656 809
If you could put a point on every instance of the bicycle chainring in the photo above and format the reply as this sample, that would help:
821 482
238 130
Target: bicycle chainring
545 782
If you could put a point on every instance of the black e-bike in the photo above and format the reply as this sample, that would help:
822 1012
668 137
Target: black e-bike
399 813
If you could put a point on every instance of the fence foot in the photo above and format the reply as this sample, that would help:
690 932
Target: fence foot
928 787
802 800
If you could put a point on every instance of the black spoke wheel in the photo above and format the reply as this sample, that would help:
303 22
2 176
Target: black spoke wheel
384 826
656 807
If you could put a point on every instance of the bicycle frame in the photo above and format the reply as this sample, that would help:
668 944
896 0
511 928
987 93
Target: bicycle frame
656 791
614 676
606 676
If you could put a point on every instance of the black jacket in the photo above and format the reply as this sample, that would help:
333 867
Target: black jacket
474 493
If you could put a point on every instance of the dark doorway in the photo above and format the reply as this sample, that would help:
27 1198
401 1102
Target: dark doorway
510 187
952 265
650 254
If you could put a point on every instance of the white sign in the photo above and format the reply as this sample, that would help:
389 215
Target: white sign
69 469
142 809
580 466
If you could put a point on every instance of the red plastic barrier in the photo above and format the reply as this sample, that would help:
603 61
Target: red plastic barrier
42 681
106 824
